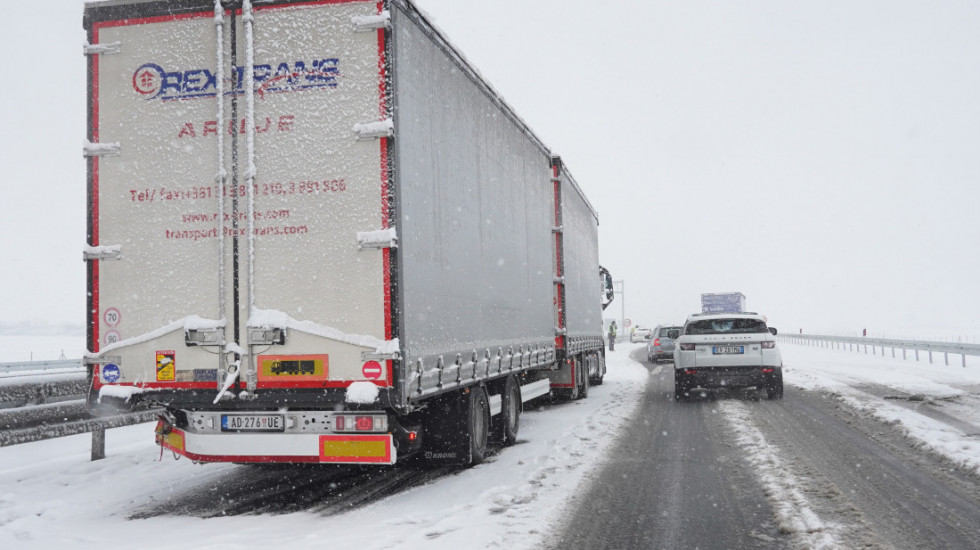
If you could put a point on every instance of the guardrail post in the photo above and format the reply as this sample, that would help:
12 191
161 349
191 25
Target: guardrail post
903 353
916 355
946 356
98 444
964 360
930 357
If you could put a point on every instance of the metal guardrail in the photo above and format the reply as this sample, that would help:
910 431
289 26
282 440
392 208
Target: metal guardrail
24 366
852 342
39 406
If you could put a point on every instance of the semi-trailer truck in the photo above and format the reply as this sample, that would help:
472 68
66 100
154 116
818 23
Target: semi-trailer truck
316 234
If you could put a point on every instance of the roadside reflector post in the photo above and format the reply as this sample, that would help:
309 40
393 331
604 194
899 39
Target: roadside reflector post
98 444
930 357
946 357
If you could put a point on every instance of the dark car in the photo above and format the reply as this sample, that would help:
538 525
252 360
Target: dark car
661 345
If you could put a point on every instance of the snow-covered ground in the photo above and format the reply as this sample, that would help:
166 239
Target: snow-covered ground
52 495
937 404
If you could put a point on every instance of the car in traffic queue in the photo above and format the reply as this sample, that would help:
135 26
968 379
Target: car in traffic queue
640 334
727 351
661 346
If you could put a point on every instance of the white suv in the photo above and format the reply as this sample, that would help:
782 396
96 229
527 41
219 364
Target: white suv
727 351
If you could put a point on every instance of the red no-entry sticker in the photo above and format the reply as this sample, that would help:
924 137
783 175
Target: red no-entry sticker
372 370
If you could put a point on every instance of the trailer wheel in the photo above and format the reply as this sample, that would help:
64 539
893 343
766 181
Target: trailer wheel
600 366
479 423
509 421
584 376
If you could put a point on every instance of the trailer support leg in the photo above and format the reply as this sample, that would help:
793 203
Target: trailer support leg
98 444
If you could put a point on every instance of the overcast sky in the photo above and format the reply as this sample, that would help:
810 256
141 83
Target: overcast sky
822 157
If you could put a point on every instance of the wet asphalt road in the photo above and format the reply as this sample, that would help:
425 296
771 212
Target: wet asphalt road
680 479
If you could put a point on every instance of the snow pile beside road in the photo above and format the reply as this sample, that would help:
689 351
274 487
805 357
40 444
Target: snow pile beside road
936 404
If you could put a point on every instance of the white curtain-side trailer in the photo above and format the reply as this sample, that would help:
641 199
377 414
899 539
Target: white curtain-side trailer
316 234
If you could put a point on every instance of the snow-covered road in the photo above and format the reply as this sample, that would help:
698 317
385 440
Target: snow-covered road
51 495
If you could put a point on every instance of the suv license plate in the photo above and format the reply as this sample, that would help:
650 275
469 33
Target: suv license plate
728 350
252 423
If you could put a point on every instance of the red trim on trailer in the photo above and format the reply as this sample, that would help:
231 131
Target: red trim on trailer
156 19
235 458
96 378
385 209
572 385
208 14
559 287
316 385
249 458
259 385
304 4
94 207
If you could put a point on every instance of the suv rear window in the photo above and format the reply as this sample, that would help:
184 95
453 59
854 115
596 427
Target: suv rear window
665 331
726 326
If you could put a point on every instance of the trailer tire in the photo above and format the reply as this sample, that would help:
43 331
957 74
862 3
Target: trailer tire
600 367
479 423
509 421
582 370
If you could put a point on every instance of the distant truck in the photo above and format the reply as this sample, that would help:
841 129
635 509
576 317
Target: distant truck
316 234
724 302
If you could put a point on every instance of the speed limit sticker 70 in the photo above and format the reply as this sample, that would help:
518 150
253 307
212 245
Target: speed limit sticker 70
111 317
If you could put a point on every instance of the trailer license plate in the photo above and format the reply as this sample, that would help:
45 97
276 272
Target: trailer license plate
252 423
728 350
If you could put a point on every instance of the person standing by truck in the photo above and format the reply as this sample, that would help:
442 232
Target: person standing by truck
612 336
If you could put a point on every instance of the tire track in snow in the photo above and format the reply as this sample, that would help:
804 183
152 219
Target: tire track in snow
794 513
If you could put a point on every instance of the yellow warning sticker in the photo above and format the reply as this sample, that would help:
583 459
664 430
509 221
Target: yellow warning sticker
166 366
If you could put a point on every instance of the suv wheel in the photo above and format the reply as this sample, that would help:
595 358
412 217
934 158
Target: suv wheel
679 391
774 388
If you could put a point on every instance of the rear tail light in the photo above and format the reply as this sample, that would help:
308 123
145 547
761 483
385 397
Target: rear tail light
360 423
767 371
656 342
687 347
769 345
690 371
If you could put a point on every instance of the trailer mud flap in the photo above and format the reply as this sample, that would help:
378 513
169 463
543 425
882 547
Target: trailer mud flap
446 439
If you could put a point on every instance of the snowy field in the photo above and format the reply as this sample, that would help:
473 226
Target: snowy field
18 348
51 495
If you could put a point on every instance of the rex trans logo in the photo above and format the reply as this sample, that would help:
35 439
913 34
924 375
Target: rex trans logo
153 82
